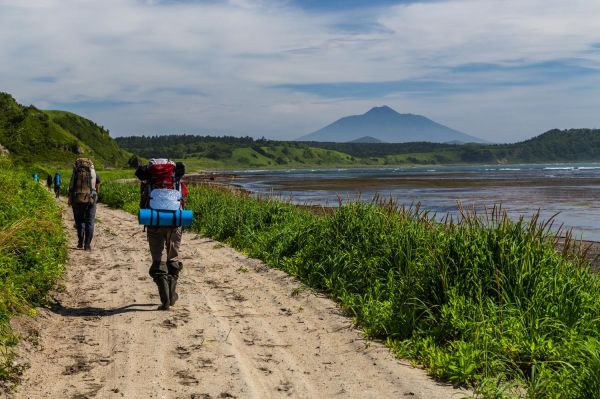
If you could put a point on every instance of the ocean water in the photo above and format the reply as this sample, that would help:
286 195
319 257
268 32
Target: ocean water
568 193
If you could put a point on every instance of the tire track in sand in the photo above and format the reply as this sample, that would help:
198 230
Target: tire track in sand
240 329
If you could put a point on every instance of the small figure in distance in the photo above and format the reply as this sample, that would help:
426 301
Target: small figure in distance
49 181
57 183
35 177
83 195
162 189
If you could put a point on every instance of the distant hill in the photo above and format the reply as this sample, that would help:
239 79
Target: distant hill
556 145
572 145
366 139
233 152
386 125
31 135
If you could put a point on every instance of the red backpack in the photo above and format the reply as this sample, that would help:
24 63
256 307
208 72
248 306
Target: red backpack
161 174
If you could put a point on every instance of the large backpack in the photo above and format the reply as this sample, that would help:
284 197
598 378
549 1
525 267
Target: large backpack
57 179
163 194
161 187
83 189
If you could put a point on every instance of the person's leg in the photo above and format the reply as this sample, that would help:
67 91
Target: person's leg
79 216
158 269
90 220
174 266
173 241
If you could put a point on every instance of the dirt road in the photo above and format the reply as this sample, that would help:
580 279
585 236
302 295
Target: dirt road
240 329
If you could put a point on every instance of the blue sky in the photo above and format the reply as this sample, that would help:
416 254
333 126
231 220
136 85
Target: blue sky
502 70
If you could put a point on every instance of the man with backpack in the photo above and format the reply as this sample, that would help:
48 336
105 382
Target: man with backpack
83 194
49 181
162 189
57 183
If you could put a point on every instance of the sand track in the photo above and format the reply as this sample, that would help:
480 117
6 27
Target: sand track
239 330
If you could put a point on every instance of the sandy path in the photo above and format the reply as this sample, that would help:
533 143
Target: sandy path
240 329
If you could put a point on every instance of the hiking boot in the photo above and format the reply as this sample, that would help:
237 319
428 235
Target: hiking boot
173 297
163 292
88 248
80 245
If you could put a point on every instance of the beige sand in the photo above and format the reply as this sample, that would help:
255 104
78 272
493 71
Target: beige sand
239 330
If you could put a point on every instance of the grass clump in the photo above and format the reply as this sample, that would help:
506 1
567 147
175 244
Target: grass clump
120 196
483 302
32 252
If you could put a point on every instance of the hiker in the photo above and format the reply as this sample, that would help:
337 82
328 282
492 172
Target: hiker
162 188
35 177
57 183
49 181
83 194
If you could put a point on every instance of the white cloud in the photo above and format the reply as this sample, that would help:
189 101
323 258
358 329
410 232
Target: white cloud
229 53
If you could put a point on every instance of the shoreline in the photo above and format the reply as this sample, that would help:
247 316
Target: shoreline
272 168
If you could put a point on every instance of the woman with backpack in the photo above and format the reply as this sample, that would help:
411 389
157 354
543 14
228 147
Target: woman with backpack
162 190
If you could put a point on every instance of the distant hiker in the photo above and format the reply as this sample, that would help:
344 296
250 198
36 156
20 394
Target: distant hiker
162 189
57 183
49 181
83 194
35 176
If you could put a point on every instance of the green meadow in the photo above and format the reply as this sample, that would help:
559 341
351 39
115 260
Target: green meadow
484 302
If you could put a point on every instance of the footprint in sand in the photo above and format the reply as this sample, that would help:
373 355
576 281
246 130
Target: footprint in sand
182 352
186 378
80 366
205 363
169 324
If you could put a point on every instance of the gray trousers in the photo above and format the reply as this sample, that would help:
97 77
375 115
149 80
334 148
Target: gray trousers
85 218
164 240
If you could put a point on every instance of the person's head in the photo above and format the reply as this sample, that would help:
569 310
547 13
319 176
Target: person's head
179 169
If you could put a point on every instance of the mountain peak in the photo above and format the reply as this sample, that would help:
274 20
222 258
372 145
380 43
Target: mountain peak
386 125
384 109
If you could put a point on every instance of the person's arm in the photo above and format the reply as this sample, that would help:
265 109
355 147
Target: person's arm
97 183
70 190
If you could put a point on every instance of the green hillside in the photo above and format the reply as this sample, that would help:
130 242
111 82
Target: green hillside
574 145
233 152
35 136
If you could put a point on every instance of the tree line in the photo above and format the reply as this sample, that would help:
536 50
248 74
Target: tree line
553 146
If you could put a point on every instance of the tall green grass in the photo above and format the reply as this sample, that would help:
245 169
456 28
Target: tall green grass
121 196
32 252
483 302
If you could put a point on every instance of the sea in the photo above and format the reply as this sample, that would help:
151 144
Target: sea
566 194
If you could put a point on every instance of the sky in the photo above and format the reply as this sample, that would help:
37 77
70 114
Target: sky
501 70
